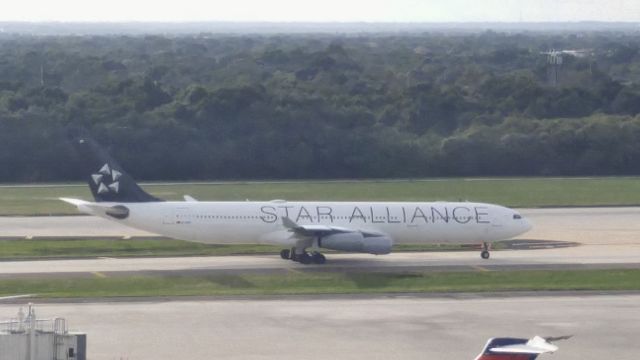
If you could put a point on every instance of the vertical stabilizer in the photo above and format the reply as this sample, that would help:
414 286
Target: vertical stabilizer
106 178
516 349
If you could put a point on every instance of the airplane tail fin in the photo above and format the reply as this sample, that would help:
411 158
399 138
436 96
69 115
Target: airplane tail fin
107 180
517 349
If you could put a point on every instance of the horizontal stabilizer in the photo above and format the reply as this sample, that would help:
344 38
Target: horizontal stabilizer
115 211
76 202
14 297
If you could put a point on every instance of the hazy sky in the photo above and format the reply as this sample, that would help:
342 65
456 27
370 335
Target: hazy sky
321 10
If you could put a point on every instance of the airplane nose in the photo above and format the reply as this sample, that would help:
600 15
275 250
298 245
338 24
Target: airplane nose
526 225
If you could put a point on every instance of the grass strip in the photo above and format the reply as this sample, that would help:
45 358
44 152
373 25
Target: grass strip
15 249
324 283
78 248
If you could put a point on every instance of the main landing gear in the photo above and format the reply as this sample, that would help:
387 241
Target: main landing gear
485 251
303 257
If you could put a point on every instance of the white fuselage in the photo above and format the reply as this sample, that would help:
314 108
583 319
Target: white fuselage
262 222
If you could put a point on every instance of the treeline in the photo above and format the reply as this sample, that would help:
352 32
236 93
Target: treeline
319 106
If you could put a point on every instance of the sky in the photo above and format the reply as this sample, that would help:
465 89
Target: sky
321 10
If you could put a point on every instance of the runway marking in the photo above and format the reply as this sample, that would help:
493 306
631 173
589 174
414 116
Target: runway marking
99 274
479 268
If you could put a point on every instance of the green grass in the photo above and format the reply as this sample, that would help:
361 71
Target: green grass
325 283
78 248
12 249
39 200
529 192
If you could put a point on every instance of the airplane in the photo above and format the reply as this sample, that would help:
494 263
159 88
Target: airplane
518 349
303 229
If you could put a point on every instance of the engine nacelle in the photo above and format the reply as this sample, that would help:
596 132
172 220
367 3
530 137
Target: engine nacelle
356 242
119 212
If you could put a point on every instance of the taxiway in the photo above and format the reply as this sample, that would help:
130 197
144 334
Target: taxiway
581 257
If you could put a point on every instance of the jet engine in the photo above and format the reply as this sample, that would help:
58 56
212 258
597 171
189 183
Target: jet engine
357 242
118 212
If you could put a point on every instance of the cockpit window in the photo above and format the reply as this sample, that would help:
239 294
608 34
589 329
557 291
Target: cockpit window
517 216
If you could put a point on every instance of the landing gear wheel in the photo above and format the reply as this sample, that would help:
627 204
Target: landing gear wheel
318 258
285 254
485 251
304 258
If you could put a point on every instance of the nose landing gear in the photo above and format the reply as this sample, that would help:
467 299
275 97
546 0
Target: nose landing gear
485 251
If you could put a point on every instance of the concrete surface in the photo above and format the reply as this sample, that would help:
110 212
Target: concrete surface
594 226
564 258
605 327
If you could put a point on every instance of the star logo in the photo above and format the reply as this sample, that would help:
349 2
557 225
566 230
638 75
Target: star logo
107 180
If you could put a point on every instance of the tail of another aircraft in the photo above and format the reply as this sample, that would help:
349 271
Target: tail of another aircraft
107 180
518 349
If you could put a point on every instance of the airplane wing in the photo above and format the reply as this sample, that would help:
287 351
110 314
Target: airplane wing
321 230
339 238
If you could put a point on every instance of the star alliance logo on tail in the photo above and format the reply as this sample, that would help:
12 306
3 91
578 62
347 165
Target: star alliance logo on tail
107 180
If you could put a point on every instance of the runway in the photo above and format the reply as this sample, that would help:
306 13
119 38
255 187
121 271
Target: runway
401 327
582 257
593 226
